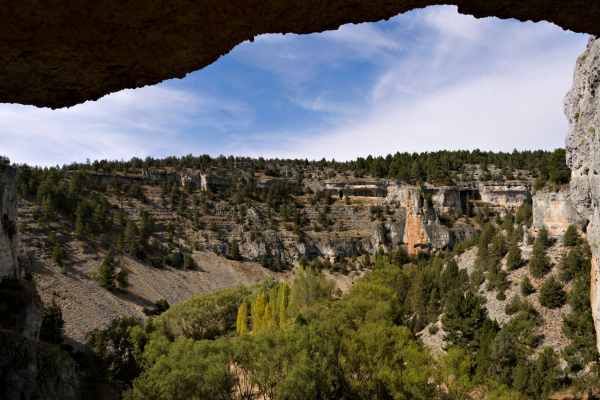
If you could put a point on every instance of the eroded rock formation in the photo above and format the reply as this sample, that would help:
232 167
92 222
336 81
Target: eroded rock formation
582 107
54 54
555 211
8 223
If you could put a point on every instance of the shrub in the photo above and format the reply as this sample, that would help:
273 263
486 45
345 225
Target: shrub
571 236
526 287
552 294
51 330
539 264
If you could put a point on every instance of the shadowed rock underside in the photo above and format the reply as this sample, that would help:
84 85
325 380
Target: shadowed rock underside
58 54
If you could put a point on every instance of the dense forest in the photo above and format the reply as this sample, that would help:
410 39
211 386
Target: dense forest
440 166
303 340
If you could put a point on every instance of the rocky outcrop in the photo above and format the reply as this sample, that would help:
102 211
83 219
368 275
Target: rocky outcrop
506 197
555 211
58 56
8 223
28 369
422 229
582 107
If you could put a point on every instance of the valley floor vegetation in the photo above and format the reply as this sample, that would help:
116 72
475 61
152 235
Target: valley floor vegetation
302 340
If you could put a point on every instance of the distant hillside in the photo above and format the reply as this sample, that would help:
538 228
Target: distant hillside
178 226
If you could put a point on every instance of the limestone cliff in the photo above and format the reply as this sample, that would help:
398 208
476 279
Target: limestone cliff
555 211
29 369
8 217
422 229
582 107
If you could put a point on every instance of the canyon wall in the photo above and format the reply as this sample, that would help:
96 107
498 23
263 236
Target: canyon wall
582 107
555 211
8 224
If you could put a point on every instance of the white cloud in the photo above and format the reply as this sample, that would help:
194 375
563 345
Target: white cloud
141 122
436 80
480 84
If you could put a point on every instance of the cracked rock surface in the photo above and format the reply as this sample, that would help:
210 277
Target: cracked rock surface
582 107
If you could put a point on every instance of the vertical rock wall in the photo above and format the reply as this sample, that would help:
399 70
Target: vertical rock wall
555 211
8 223
582 107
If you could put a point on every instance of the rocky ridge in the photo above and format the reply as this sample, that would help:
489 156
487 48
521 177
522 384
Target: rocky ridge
582 107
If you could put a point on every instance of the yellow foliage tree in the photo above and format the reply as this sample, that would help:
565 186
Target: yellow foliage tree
258 312
241 324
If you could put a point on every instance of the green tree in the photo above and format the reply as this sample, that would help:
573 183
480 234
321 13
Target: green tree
115 350
552 294
382 361
52 327
539 263
514 259
526 287
571 236
464 316
106 272
122 278
132 239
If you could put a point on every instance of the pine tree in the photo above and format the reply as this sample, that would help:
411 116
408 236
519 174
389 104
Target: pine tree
106 272
539 264
122 278
80 221
514 260
571 236
499 247
552 294
132 239
543 238
526 287
241 323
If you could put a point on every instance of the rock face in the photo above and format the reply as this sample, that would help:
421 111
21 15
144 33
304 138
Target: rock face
60 55
28 369
504 197
422 229
555 211
582 107
8 223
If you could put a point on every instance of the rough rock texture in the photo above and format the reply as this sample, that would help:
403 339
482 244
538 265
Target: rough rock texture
582 107
58 54
422 229
8 227
30 370
504 197
555 211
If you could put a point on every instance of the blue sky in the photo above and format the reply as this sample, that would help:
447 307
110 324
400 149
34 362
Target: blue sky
425 80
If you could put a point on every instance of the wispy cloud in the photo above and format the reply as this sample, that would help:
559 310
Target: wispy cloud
425 80
467 83
141 122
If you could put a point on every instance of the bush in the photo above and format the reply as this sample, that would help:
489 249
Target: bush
514 260
552 294
571 236
526 287
51 330
513 306
539 264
